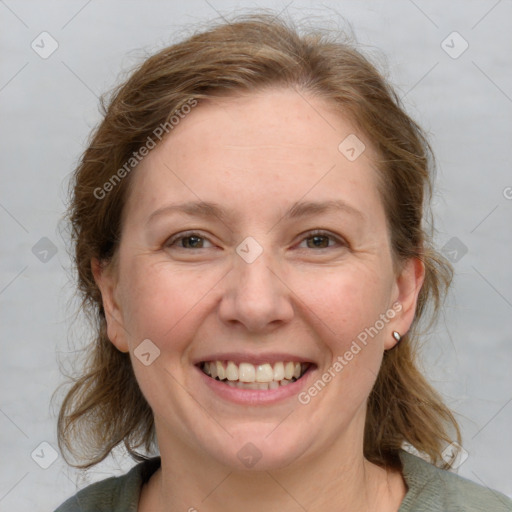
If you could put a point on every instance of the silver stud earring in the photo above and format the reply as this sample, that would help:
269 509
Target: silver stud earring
397 336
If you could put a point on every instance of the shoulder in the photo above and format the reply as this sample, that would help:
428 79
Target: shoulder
432 489
115 494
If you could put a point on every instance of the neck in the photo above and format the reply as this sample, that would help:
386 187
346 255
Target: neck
340 478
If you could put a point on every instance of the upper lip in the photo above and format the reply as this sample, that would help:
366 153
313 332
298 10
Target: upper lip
255 359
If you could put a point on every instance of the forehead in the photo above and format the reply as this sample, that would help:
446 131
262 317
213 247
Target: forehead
282 122
274 147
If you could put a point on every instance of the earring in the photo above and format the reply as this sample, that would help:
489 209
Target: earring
397 336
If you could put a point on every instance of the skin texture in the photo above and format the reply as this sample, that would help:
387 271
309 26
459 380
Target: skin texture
257 155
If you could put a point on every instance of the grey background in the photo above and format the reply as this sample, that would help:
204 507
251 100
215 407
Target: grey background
48 107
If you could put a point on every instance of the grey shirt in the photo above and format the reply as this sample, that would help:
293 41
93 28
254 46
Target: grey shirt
430 489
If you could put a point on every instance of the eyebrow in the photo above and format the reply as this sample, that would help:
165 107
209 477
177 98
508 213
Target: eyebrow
297 210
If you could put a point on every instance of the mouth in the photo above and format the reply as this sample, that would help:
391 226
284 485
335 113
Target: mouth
265 376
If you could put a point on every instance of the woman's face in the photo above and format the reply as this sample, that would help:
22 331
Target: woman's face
280 255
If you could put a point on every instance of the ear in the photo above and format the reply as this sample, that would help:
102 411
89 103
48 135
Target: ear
407 288
106 280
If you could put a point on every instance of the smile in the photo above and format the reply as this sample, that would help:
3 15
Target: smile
255 377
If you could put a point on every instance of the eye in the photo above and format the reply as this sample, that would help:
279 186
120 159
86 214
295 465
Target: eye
187 240
317 239
320 240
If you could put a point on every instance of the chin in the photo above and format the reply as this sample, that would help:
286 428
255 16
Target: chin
258 448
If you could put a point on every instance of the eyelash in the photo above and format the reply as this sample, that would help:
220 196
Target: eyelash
308 235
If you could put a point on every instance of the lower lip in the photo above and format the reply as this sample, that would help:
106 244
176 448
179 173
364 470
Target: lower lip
257 396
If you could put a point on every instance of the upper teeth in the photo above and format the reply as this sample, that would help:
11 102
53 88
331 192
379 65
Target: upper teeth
247 372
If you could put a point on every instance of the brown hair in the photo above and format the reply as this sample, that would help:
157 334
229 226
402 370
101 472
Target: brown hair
105 406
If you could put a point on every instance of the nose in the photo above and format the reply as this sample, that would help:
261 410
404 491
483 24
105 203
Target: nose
256 295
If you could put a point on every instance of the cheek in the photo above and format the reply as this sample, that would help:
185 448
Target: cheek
350 304
159 301
162 304
347 300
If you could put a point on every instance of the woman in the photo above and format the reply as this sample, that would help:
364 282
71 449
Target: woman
248 226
